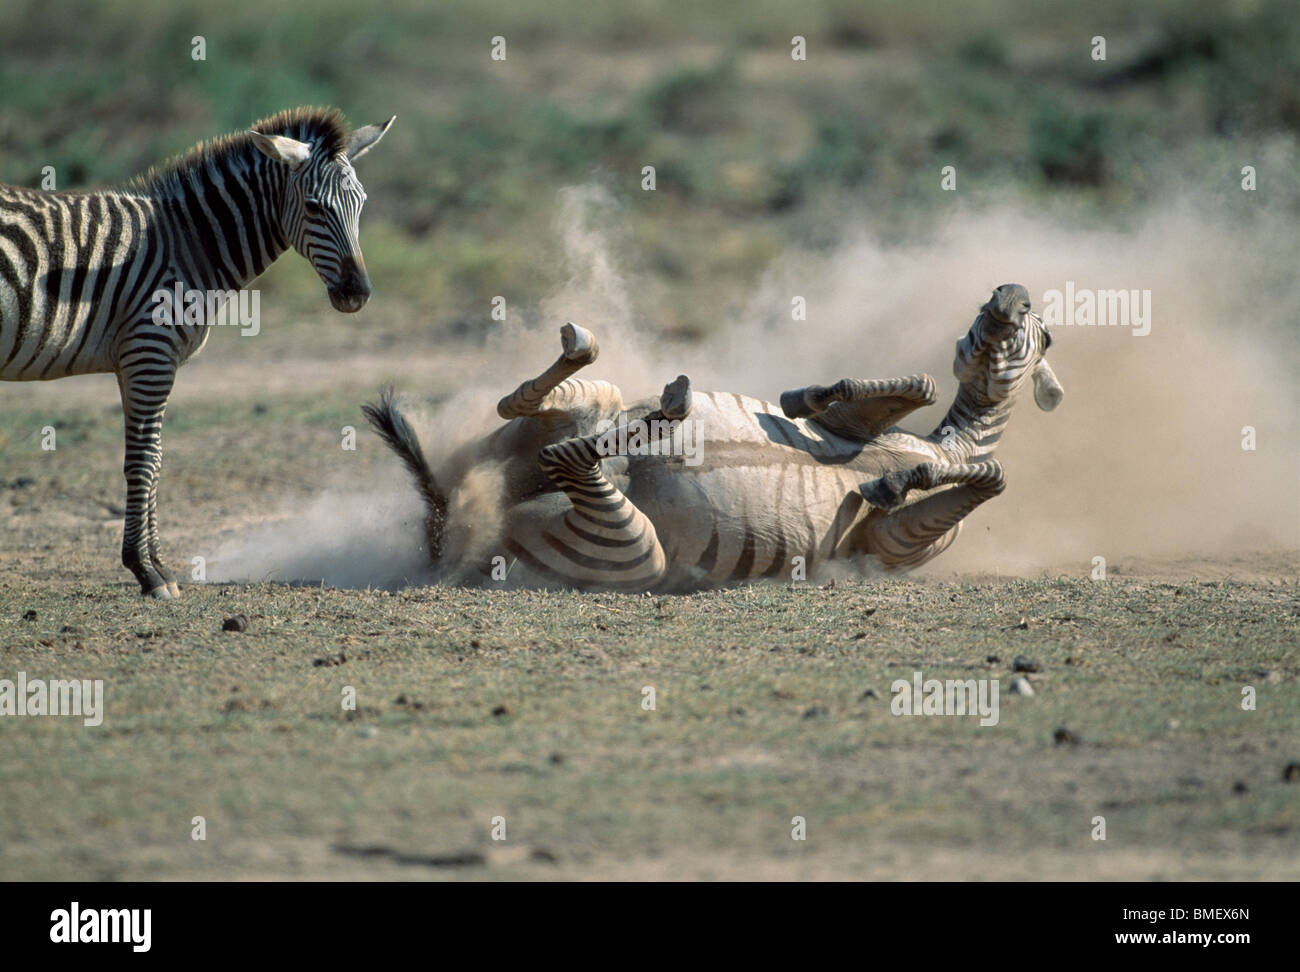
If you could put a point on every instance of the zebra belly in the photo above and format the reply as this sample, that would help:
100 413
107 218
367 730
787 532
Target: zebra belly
59 256
40 338
724 525
758 491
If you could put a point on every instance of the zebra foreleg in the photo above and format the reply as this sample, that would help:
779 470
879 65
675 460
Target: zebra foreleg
168 576
905 536
860 409
550 390
604 540
144 391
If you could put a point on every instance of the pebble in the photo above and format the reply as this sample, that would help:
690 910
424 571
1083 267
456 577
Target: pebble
237 623
330 660
1021 686
1066 737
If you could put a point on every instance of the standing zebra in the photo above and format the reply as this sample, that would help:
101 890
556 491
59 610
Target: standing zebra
81 274
825 476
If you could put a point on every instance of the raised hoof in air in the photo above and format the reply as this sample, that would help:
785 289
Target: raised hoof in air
579 344
886 493
794 404
160 594
173 589
675 402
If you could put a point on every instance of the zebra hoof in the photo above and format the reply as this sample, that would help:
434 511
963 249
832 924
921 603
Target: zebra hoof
160 594
675 402
886 493
795 405
173 589
579 344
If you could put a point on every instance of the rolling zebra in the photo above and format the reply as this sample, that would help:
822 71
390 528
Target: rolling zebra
827 475
81 274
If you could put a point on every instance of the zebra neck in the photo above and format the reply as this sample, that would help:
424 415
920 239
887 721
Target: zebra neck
972 428
222 218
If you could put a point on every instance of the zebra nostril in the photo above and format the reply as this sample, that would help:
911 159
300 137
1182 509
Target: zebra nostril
348 300
357 280
351 291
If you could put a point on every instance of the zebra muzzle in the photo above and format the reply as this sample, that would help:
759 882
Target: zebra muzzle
352 292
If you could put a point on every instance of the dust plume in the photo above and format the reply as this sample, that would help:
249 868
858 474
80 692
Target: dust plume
345 538
1145 455
1144 458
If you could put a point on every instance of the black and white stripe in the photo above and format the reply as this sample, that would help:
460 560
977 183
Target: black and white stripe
1004 346
79 272
604 540
992 361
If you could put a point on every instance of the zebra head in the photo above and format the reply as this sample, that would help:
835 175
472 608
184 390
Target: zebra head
1005 345
322 208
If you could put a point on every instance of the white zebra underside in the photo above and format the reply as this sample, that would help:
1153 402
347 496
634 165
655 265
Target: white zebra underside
765 490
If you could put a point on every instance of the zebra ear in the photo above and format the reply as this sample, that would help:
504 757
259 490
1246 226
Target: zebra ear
361 141
281 148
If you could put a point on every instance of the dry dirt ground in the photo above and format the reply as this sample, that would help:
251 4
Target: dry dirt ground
771 702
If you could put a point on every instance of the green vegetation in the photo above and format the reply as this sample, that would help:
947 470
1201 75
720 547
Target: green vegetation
463 194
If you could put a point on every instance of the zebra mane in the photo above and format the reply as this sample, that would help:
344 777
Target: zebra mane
324 128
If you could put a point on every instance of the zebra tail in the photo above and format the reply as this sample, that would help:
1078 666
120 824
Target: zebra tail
387 419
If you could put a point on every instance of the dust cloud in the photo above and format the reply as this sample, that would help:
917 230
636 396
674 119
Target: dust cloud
345 538
1144 457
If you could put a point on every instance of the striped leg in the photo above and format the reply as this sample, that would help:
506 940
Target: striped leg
905 536
860 409
165 572
604 540
145 385
551 390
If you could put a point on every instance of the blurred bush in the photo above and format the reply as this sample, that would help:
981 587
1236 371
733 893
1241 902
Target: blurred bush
744 139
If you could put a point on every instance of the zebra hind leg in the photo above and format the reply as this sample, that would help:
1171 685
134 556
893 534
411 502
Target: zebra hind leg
860 409
550 390
604 540
905 535
675 403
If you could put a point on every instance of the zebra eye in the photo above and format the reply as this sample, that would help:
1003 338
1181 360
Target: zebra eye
311 207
